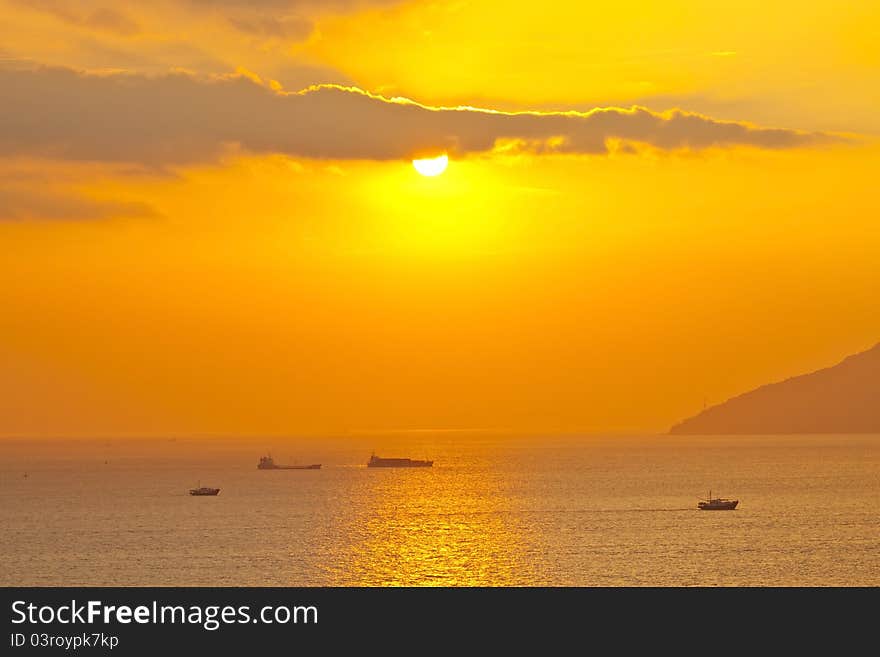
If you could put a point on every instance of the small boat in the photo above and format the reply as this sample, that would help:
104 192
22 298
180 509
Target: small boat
378 462
204 490
268 463
717 504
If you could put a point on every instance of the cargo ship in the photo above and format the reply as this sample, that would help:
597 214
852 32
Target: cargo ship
378 462
268 463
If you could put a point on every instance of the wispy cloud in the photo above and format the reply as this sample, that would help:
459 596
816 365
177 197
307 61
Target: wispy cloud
22 204
282 19
87 15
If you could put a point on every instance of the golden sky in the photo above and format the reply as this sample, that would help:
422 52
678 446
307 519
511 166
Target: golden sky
209 223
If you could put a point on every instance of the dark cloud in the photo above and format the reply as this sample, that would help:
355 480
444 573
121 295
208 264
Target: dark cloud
178 118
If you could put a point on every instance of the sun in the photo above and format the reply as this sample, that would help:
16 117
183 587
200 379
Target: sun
432 166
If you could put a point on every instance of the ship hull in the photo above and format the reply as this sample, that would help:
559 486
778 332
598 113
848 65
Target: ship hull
313 466
718 506
400 464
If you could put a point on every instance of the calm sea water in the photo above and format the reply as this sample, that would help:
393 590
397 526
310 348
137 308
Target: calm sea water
497 510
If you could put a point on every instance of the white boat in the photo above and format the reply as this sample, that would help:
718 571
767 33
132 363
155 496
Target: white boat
717 504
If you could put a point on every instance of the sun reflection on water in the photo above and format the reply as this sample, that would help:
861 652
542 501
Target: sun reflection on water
442 527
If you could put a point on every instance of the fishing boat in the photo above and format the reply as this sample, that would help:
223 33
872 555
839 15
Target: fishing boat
203 490
717 504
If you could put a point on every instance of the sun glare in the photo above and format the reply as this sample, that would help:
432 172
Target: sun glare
432 166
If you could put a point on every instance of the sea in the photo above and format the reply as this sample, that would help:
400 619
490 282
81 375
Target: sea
496 509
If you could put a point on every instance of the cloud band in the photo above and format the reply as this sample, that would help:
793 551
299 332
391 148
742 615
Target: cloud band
178 118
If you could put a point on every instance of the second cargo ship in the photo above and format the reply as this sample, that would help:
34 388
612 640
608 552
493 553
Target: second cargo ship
379 462
268 463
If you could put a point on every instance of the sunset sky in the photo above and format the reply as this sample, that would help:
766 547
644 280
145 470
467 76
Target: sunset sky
210 223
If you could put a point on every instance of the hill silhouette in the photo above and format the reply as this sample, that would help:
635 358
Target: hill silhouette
844 398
